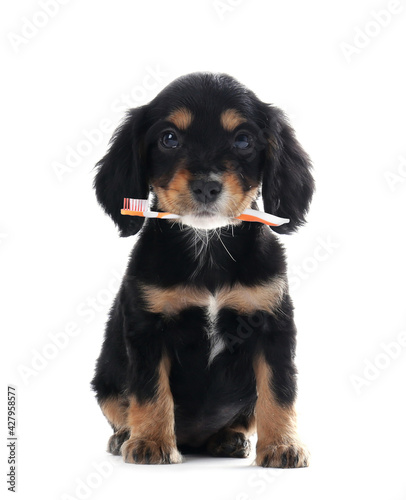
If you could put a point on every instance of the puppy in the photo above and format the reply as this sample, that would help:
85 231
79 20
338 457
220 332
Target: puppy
200 343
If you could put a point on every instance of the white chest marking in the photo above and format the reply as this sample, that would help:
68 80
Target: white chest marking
217 344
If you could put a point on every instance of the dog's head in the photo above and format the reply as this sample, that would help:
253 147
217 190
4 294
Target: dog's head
206 146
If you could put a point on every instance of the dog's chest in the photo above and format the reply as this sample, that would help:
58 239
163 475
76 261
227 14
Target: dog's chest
241 300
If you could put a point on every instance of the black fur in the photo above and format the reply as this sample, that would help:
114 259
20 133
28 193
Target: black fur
208 397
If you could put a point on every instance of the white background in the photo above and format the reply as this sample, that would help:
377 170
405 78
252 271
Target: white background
61 257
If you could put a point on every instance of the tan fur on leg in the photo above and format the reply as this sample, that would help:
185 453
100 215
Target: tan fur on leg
278 444
115 410
152 426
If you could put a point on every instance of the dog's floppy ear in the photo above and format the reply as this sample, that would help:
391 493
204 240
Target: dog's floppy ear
122 172
287 184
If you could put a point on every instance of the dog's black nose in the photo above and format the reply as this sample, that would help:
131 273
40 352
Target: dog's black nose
206 191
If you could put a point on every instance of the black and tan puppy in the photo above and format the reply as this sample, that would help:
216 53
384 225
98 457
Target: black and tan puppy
200 344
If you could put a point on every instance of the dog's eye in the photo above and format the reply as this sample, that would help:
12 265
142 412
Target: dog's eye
242 141
169 140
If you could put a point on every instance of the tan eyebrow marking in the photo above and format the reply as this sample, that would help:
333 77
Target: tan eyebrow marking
230 119
181 117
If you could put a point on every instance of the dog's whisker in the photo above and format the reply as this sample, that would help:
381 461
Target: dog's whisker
226 249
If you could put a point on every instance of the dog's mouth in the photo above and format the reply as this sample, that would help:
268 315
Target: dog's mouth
206 219
206 213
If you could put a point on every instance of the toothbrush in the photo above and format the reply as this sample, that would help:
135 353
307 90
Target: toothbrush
140 208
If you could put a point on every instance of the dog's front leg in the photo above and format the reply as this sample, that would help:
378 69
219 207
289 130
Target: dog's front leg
150 414
278 443
151 424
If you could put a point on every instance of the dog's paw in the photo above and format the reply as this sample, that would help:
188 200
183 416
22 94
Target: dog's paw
116 441
229 443
142 451
283 456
